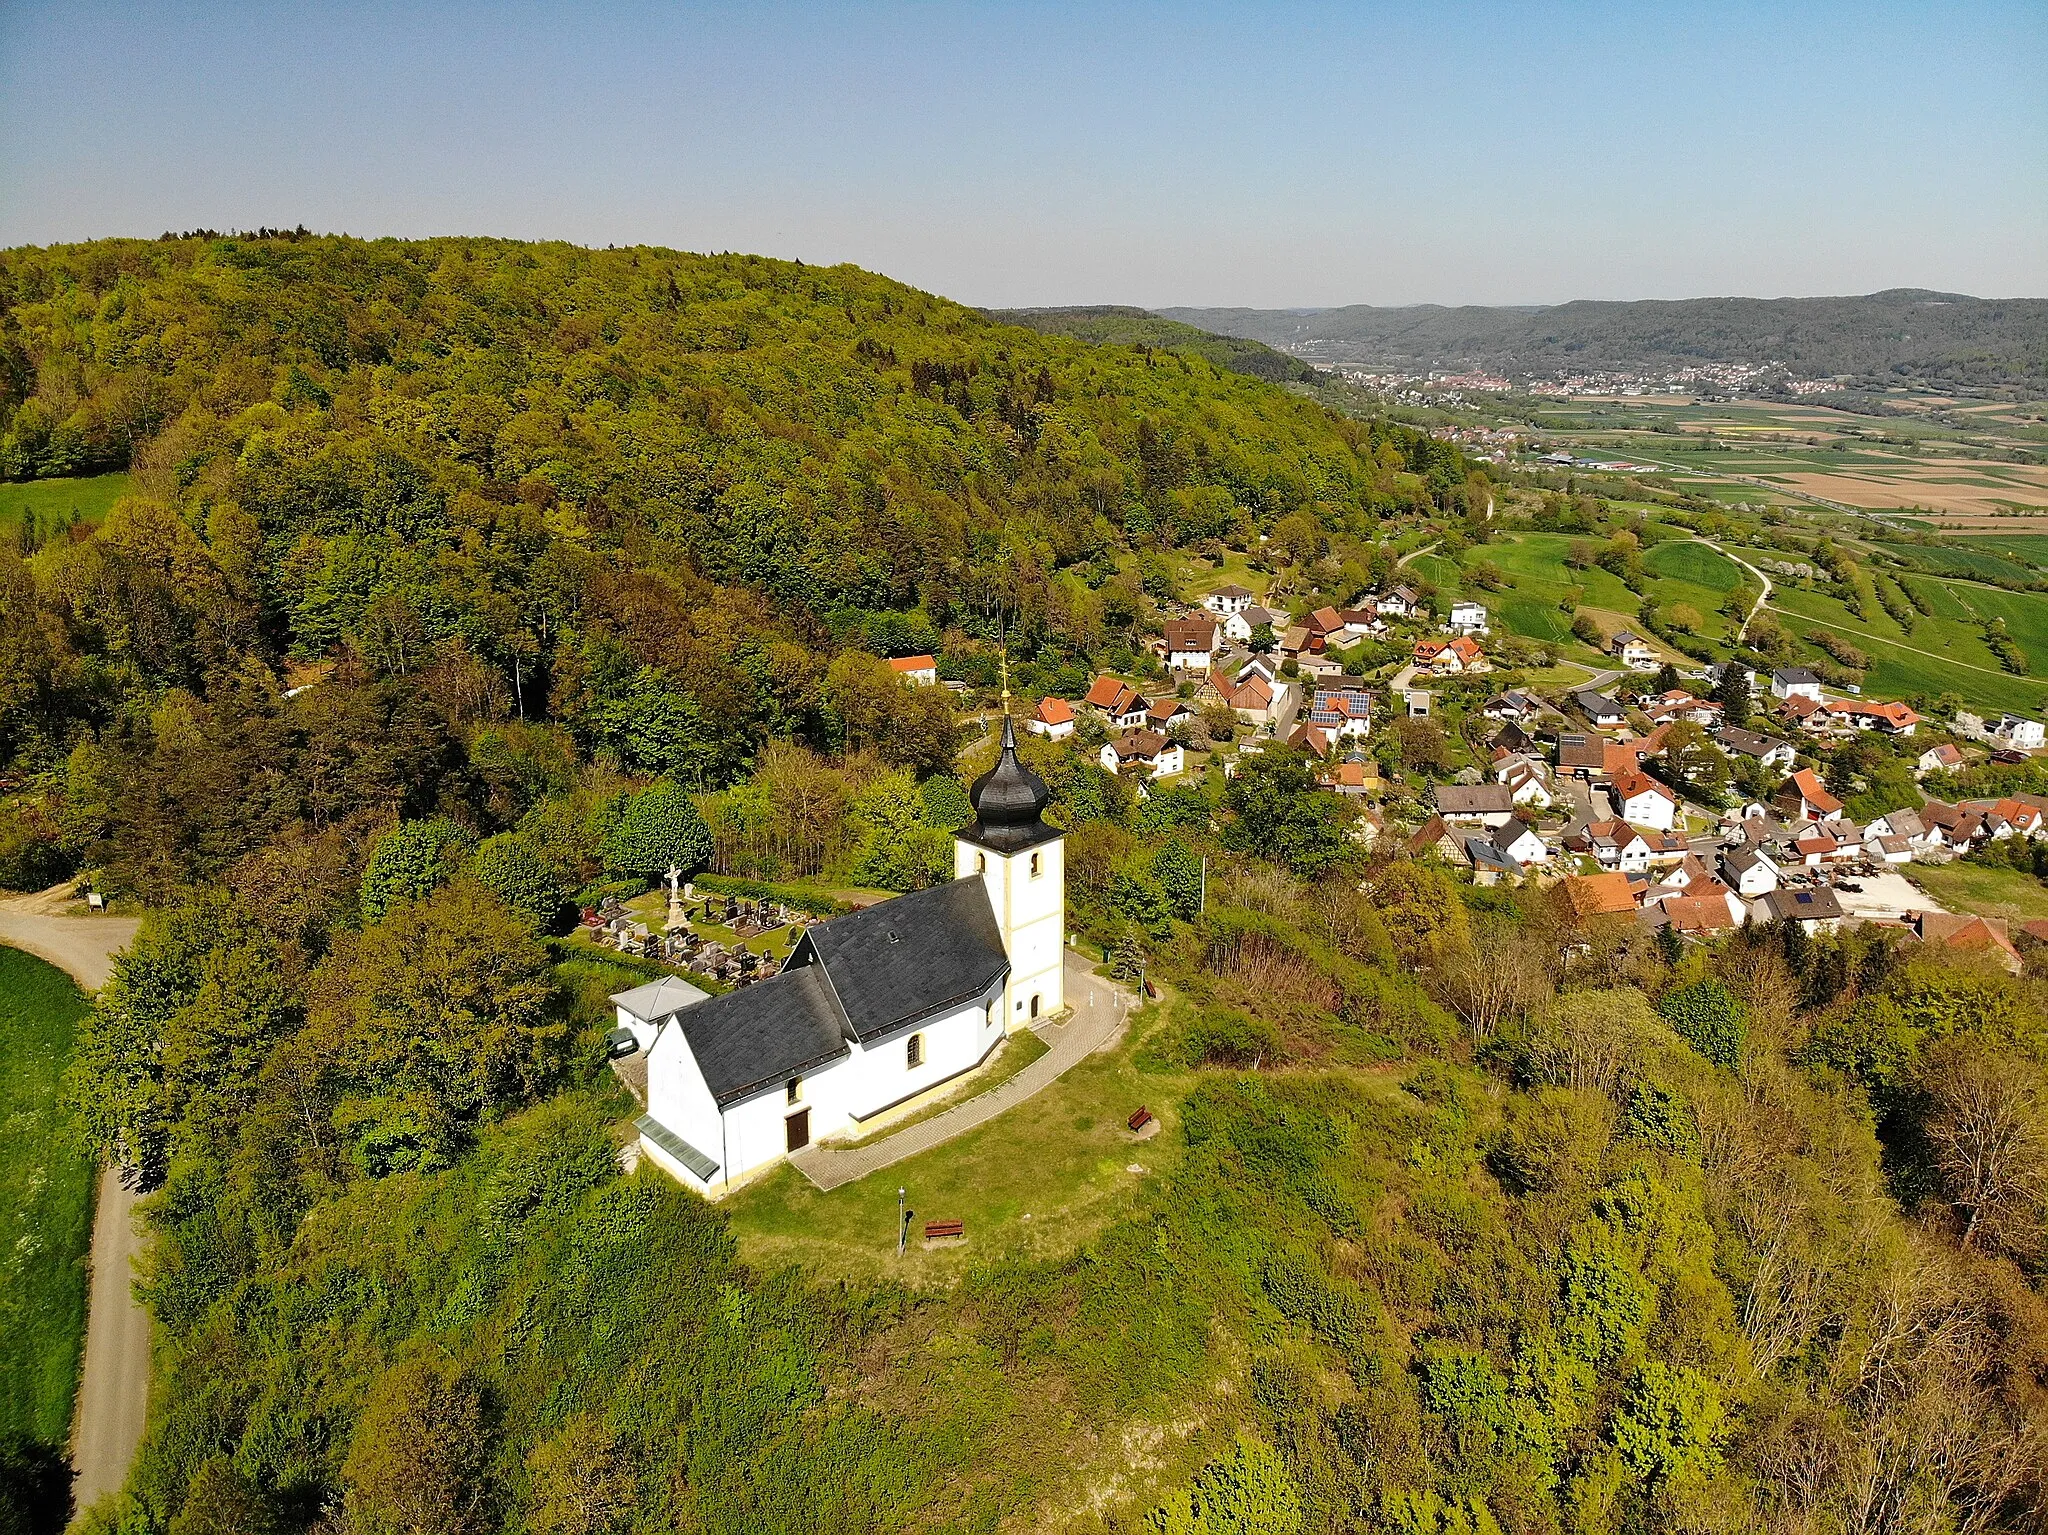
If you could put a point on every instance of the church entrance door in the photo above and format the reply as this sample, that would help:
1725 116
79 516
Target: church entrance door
798 1129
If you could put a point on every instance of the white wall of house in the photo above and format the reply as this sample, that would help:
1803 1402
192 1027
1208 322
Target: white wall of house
1650 809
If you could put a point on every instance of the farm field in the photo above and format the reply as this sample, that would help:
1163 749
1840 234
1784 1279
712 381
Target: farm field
46 1199
2029 547
90 498
1967 563
1939 655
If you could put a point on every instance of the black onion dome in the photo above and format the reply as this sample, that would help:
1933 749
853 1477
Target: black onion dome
1008 801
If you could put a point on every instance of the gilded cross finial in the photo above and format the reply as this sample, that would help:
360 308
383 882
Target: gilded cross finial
1005 665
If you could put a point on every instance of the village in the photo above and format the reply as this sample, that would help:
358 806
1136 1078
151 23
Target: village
1599 789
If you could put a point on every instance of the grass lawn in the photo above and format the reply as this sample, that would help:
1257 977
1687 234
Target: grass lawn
1040 1180
1982 888
89 497
46 1196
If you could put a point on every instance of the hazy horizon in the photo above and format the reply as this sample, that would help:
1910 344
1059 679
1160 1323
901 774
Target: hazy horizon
1298 157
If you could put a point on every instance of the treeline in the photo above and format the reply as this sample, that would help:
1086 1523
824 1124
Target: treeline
643 497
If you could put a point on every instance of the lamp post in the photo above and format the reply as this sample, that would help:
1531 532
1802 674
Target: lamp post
902 1223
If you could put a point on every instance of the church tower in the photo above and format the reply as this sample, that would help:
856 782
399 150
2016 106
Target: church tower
1023 862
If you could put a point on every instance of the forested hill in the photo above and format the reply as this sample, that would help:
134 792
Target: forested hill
575 468
1904 334
1121 325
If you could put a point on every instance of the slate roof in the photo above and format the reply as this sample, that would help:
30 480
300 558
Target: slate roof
906 959
767 1032
861 977
1817 905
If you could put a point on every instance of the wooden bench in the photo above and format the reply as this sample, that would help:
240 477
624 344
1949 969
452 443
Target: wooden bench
1139 1120
939 1231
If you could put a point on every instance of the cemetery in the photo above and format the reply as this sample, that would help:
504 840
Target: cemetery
734 939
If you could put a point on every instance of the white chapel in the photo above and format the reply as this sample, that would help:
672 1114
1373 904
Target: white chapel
872 1009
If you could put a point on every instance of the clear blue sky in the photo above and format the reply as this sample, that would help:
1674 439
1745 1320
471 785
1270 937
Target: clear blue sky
1092 153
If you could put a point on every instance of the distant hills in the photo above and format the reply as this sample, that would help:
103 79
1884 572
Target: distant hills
1904 335
1120 325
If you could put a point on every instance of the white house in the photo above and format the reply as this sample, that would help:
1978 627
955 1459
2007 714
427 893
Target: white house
1632 650
1750 873
1398 603
2017 734
1795 682
1944 758
918 671
1643 801
872 1010
1467 618
1487 804
1228 599
1517 840
1611 844
1346 713
1768 751
1527 779
1147 749
1190 643
1053 719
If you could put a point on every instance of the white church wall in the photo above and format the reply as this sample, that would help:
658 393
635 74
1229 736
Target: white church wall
879 1075
678 1097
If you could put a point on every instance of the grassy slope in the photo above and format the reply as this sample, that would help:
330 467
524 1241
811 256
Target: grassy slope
1990 892
1040 1180
89 497
46 1192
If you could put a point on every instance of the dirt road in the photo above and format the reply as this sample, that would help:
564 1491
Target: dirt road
113 1391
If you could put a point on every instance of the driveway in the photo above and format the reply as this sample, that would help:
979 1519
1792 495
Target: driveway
1887 894
1097 1020
113 1389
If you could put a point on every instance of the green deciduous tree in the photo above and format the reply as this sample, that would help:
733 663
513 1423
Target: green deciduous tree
1708 1017
410 860
1280 812
661 828
433 1018
510 869
417 1461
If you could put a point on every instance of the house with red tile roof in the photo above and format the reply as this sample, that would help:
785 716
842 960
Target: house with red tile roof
1893 719
1124 705
1453 657
918 671
1643 801
1053 719
1803 797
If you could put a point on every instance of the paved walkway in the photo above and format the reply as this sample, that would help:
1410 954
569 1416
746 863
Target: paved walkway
113 1388
1099 1011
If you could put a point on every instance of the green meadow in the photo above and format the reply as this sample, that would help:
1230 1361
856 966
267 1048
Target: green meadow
88 498
46 1193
